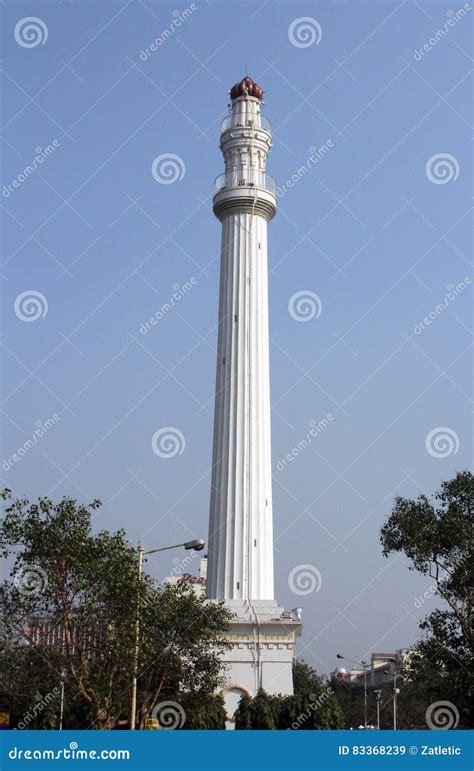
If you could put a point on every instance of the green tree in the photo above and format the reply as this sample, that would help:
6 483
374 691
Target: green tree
29 686
182 639
261 709
350 697
312 707
437 536
242 716
257 713
305 678
87 586
203 712
315 706
412 704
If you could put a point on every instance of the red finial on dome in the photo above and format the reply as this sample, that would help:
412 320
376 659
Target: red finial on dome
246 87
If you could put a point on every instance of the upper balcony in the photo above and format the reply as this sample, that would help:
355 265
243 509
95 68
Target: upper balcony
247 191
245 178
236 121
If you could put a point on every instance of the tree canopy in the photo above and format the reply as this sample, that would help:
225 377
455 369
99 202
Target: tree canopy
437 536
312 707
82 589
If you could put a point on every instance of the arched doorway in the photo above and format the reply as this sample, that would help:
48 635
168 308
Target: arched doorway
232 695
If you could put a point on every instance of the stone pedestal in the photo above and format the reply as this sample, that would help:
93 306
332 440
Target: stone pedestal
264 642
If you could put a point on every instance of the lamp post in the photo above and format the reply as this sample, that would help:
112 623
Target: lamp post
396 691
61 708
363 664
198 545
378 696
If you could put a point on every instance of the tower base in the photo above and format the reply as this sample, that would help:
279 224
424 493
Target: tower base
263 640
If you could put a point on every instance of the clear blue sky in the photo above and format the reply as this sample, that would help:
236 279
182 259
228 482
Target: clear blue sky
366 229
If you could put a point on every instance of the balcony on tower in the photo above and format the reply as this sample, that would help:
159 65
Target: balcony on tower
239 119
245 191
251 178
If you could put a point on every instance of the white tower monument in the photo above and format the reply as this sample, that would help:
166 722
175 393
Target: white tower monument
240 565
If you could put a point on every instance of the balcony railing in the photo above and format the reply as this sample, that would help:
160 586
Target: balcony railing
245 178
237 121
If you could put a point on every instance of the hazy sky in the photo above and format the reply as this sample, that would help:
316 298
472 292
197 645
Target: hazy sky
378 229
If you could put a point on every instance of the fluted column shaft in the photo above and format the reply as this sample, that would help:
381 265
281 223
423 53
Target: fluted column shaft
240 562
240 537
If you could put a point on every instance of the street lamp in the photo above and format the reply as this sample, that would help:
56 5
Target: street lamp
198 545
363 664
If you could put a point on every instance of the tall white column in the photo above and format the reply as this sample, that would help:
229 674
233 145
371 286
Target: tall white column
240 565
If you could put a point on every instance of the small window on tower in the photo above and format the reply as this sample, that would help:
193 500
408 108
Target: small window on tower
238 584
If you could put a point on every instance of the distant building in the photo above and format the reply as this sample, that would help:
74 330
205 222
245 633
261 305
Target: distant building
383 666
45 631
381 670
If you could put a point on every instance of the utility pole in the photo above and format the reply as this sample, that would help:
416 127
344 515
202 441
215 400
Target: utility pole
133 709
396 691
378 695
198 545
61 709
364 664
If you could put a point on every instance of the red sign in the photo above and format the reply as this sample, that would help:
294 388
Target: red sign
193 579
